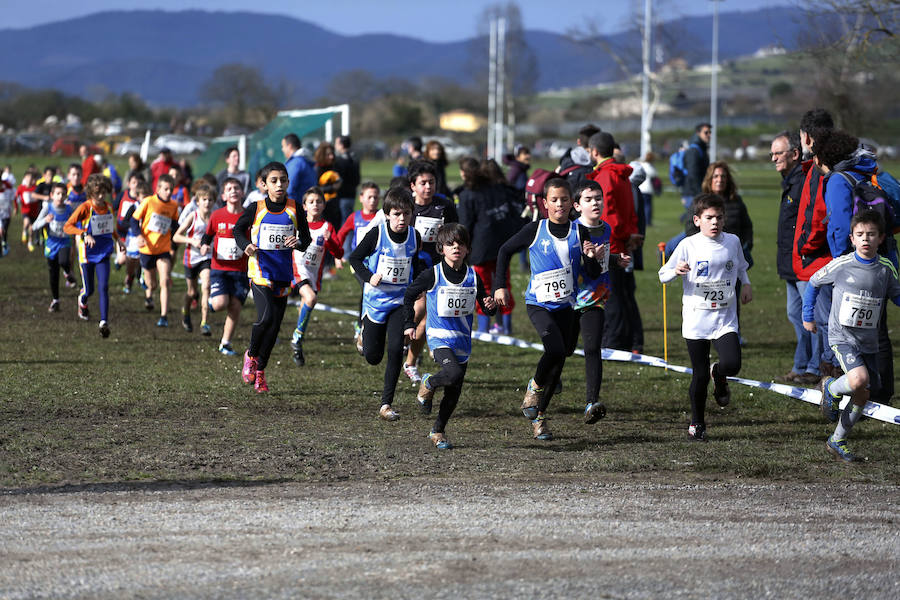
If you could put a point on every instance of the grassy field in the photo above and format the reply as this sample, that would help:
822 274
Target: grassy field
157 405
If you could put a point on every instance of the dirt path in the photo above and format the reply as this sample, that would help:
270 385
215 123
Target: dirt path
428 539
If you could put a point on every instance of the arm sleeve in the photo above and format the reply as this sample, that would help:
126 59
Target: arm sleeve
809 302
450 214
420 284
746 228
481 294
334 245
345 229
516 243
365 248
45 209
70 227
243 225
210 232
839 207
135 219
303 233
667 271
417 264
466 211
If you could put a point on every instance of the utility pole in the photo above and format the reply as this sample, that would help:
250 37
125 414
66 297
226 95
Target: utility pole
645 92
714 84
492 88
501 89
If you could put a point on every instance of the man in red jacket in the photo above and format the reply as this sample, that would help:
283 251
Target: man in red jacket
623 328
162 164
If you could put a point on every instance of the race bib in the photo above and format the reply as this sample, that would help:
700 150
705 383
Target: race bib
393 270
552 286
102 224
859 311
455 301
272 237
313 256
26 197
428 227
713 295
132 244
227 249
159 223
56 228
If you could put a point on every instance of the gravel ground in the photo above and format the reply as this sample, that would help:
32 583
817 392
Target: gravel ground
436 539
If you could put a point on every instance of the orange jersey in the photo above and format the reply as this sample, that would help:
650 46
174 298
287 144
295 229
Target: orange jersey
158 221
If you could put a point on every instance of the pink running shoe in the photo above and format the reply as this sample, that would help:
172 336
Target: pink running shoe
261 386
249 370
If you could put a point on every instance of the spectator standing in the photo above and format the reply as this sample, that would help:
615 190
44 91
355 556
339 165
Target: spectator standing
162 165
233 170
696 163
136 166
301 171
347 165
89 165
435 152
519 164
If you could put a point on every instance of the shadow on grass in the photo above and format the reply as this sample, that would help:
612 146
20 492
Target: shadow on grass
141 486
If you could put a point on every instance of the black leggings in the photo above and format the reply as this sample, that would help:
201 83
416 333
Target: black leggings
450 377
269 314
591 325
374 336
557 329
60 261
729 348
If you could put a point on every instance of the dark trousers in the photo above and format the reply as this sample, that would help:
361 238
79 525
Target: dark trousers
590 325
374 337
729 349
269 314
623 329
557 330
60 261
450 377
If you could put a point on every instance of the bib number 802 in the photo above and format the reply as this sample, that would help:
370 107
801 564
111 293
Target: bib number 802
457 303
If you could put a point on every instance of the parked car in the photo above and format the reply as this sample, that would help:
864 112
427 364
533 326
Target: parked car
452 148
32 143
68 146
180 144
134 146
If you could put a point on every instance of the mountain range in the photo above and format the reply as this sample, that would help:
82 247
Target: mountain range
165 57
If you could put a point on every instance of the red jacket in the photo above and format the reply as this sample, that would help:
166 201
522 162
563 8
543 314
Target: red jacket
88 167
159 167
618 202
810 251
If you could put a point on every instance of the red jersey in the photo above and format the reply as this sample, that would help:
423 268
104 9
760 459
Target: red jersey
226 255
308 264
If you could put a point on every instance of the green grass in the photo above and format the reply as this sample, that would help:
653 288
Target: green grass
161 405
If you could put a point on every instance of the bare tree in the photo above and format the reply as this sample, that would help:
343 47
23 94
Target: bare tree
241 90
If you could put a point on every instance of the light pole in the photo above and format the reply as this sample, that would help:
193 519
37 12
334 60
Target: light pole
714 84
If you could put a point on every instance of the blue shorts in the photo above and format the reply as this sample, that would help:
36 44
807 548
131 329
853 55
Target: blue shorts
148 261
229 283
850 358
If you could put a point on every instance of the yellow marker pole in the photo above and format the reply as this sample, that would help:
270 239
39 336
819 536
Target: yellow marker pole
662 260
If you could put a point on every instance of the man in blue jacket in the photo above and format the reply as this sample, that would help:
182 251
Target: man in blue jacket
301 171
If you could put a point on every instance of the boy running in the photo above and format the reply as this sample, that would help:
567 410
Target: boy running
196 262
131 199
451 290
387 260
275 230
308 265
861 282
30 207
228 285
559 250
95 225
709 262
152 225
57 247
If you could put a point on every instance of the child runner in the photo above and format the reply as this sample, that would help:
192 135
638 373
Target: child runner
196 262
451 290
228 285
308 264
862 281
152 224
387 260
53 216
431 210
592 295
131 198
7 198
709 262
275 230
30 207
95 225
358 224
557 248
74 188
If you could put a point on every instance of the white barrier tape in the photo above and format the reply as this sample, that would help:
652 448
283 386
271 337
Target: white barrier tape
873 410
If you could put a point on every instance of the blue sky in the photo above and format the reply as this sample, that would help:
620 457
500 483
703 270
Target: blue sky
428 19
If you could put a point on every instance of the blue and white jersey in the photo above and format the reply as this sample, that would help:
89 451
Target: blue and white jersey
594 291
361 226
57 239
555 265
449 310
394 263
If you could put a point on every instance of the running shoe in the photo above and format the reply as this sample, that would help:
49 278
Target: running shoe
227 350
259 384
148 304
425 395
439 440
83 313
205 330
412 371
30 247
721 391
186 323
827 406
70 281
387 413
297 350
126 290
540 429
54 306
697 432
104 329
162 322
839 449
5 248
24 236
141 281
532 399
496 329
593 412
248 371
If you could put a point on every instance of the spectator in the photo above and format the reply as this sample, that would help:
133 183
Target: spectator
696 162
785 154
329 182
576 163
413 148
136 166
162 165
651 186
347 165
720 181
519 164
434 151
89 164
232 169
301 171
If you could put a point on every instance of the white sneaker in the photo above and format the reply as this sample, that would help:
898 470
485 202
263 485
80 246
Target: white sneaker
412 371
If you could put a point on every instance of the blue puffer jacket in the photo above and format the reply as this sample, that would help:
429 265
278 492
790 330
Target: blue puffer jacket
839 198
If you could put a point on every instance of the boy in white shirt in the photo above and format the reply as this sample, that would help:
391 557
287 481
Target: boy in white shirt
709 262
